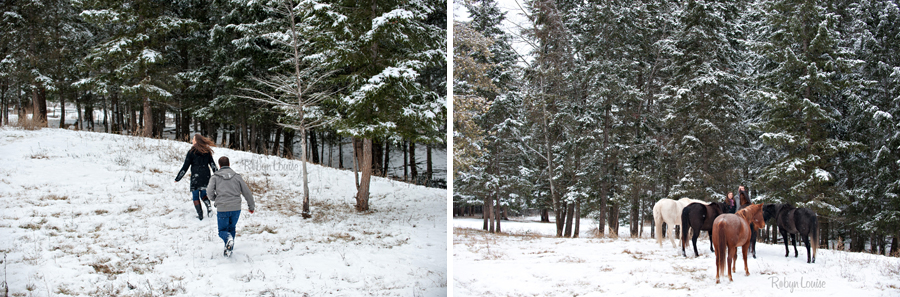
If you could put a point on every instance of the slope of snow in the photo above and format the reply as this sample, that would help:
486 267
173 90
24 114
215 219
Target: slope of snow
95 214
529 261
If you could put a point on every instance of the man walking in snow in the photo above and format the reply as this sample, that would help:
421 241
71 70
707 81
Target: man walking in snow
225 188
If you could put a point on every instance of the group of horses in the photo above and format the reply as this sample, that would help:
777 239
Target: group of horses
728 231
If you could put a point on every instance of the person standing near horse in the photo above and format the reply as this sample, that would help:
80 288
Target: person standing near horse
745 201
199 158
730 206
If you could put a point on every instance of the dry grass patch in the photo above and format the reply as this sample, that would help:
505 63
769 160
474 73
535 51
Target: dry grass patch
570 259
101 211
55 197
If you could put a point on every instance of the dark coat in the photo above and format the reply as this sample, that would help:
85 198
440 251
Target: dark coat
730 207
200 165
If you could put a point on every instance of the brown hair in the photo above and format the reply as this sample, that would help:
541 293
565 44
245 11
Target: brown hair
202 145
223 161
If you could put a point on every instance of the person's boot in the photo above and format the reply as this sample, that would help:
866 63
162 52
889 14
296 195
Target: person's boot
199 209
229 246
208 206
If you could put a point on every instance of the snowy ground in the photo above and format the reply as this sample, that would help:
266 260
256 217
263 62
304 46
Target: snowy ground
529 261
96 214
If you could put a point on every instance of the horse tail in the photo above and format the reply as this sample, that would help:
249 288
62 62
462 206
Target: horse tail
720 243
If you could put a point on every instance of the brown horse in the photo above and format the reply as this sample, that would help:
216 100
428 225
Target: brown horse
745 201
731 231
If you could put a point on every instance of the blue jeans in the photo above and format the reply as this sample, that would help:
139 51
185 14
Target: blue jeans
197 194
227 222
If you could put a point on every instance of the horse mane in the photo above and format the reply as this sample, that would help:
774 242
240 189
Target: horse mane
744 212
744 197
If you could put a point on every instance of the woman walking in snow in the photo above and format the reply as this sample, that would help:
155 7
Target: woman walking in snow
200 159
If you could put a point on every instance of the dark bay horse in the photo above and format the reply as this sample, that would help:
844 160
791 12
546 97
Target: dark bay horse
731 231
796 222
744 202
698 217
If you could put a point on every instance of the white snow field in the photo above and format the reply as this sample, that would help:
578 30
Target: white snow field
94 214
531 261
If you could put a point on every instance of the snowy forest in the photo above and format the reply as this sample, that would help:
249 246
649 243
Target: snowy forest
258 76
618 104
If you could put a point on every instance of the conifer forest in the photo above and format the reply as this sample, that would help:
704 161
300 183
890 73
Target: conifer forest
614 105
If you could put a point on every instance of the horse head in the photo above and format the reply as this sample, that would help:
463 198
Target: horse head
753 214
756 215
770 210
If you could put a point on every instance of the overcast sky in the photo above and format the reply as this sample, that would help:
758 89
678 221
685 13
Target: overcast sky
515 21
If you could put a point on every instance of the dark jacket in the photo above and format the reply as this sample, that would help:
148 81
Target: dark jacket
226 188
730 207
200 164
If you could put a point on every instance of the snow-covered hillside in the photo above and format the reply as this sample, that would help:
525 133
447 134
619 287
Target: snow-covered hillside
96 214
529 261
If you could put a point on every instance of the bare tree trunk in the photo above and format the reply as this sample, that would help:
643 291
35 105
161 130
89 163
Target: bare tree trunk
387 156
428 168
277 144
362 196
356 160
413 171
570 215
39 112
341 152
305 213
489 212
577 218
406 162
314 146
545 215
498 215
148 118
62 111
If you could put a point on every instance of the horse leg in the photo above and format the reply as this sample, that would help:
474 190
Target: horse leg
694 242
784 235
671 234
732 255
711 249
752 240
683 242
794 242
659 231
806 242
744 249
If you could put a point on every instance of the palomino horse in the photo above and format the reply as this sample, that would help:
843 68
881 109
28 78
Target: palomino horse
698 217
731 231
669 211
796 222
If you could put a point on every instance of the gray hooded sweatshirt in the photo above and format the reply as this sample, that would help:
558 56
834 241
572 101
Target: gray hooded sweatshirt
225 188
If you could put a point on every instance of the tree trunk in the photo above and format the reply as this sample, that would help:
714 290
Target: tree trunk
570 216
305 213
133 121
62 111
895 249
577 218
406 162
413 171
387 157
613 220
498 215
428 168
635 210
39 111
341 152
245 144
253 135
105 114
79 121
276 145
489 212
362 196
377 158
148 118
545 215
314 146
288 150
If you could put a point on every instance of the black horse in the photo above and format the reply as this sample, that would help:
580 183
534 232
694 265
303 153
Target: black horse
796 222
698 217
